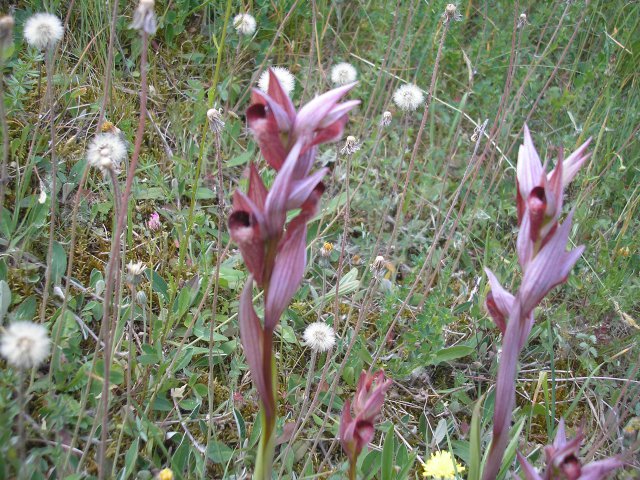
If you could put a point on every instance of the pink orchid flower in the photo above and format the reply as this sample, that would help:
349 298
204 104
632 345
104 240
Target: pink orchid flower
563 462
541 193
357 431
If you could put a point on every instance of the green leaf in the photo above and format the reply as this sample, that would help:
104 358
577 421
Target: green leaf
451 353
58 262
218 452
387 455
240 159
130 460
475 454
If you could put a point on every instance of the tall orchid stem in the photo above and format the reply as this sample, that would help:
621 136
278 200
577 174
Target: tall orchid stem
54 174
505 392
352 470
114 261
267 446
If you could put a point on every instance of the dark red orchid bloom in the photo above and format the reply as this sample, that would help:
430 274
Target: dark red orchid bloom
357 431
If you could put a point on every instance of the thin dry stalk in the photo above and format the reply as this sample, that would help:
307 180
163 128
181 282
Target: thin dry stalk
114 263
54 173
416 145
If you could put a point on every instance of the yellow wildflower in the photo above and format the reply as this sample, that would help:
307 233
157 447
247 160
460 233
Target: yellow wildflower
442 466
165 474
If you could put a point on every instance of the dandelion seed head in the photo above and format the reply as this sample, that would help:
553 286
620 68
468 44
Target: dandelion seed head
351 145
408 97
214 116
25 344
451 13
106 152
144 17
43 30
385 120
442 466
522 20
287 80
6 31
244 24
319 336
343 73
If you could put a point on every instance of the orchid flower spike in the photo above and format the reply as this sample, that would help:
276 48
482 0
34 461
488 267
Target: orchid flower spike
357 431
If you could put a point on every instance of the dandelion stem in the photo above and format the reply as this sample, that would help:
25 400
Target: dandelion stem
54 174
5 136
114 262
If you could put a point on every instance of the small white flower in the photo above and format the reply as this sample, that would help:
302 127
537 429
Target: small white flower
43 195
144 17
319 336
244 24
43 30
287 80
351 145
385 121
408 97
216 123
106 151
343 73
25 344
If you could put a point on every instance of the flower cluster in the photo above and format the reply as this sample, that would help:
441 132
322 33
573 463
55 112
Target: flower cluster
541 246
274 249
357 430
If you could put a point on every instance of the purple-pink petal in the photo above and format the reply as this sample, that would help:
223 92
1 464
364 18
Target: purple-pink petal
251 335
530 473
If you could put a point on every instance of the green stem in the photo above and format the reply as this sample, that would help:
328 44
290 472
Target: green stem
352 470
184 243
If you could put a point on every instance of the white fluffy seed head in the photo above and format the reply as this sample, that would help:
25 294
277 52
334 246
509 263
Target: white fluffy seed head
244 24
408 97
319 336
106 151
385 121
343 73
25 345
287 80
351 145
144 17
43 30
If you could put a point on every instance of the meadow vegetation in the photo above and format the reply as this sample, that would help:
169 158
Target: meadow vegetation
126 136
